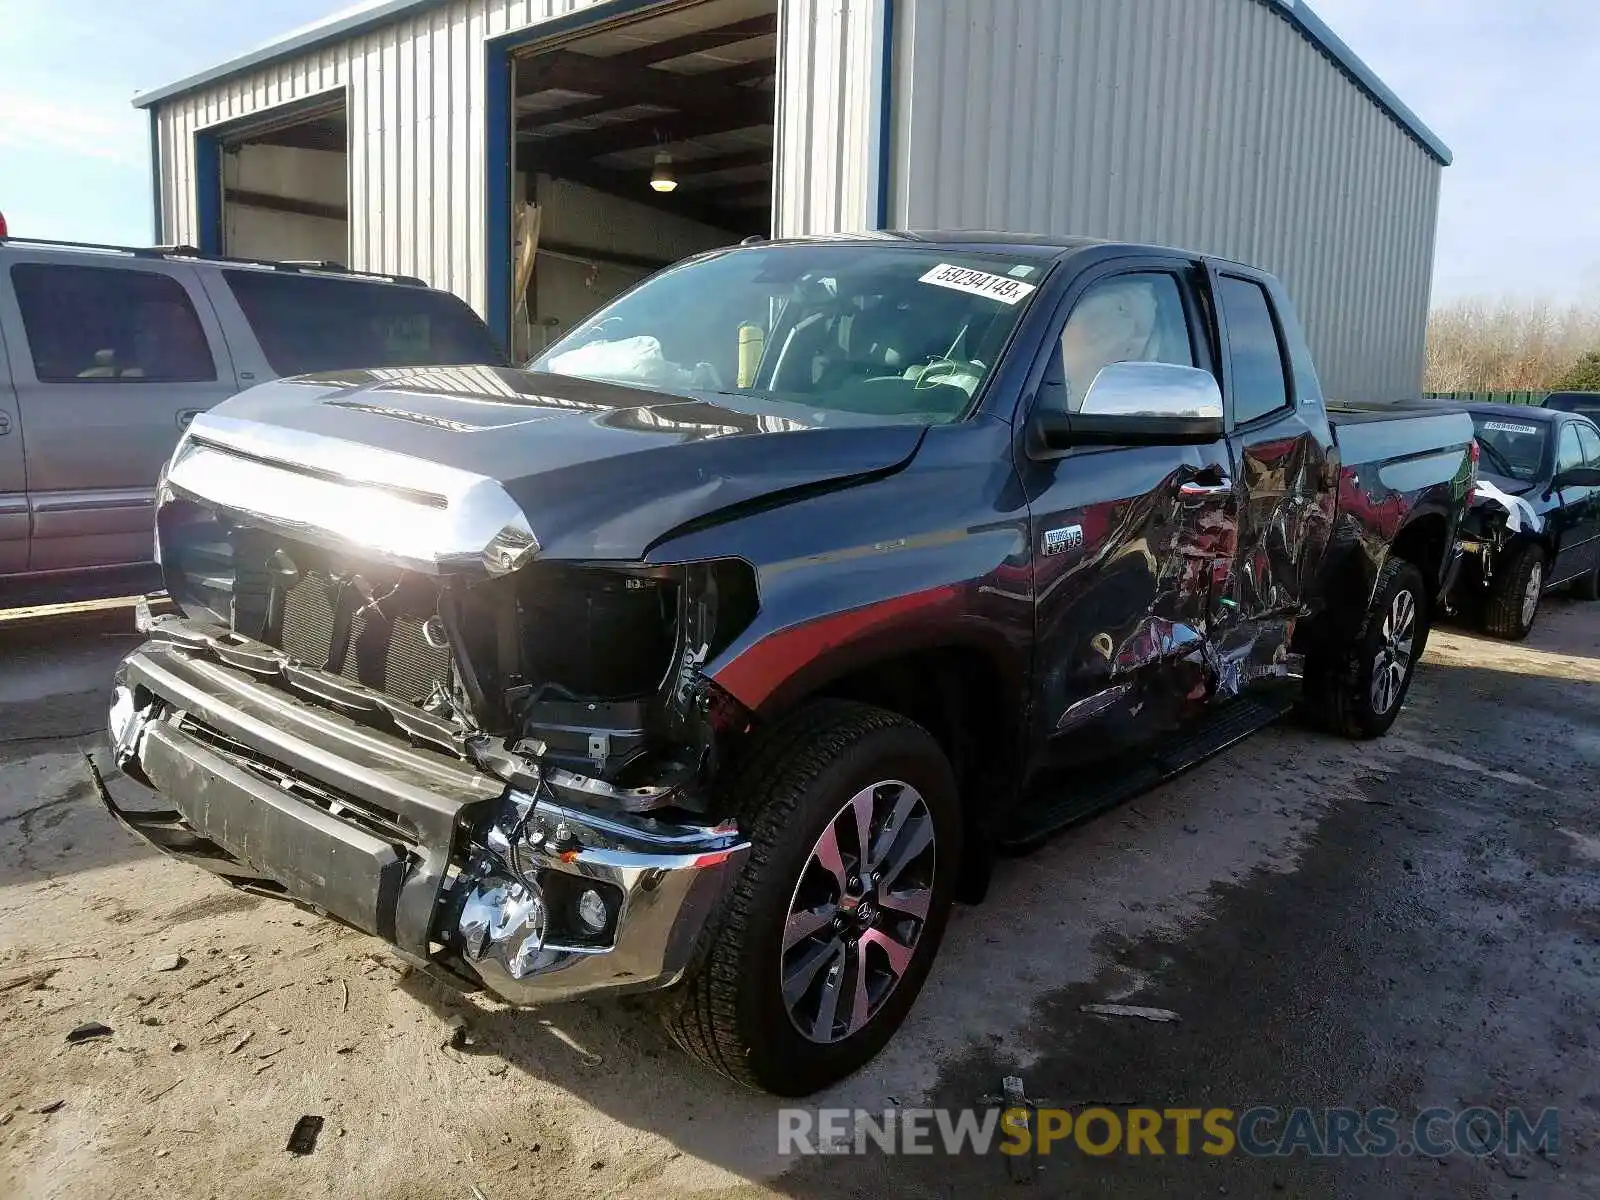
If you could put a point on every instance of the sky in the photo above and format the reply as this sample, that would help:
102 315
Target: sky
1508 84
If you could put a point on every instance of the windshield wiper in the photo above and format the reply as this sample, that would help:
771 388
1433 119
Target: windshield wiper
1504 467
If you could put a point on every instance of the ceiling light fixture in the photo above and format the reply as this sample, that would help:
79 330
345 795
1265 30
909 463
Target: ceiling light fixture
662 179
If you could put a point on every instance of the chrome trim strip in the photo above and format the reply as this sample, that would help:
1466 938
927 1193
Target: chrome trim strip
407 511
89 501
13 502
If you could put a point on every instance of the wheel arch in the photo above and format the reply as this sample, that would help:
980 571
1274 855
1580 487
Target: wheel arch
968 691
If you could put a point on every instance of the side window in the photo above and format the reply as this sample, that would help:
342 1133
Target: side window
1590 441
1259 383
1569 451
1127 318
107 323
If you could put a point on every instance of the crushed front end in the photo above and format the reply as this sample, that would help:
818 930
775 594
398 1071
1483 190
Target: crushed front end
502 766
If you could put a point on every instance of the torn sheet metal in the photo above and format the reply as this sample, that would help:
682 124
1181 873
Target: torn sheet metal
1520 514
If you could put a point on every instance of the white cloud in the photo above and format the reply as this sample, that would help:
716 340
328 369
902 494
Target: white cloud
105 131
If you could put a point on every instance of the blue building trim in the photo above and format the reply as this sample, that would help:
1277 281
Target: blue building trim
157 232
208 191
1299 14
885 113
499 166
499 156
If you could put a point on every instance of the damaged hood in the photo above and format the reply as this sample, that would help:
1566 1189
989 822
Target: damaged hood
450 467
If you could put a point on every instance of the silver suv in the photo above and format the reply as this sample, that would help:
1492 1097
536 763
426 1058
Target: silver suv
107 353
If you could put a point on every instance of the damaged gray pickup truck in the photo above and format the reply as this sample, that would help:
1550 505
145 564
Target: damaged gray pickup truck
718 653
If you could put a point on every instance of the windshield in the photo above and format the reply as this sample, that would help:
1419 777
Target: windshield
855 334
1510 447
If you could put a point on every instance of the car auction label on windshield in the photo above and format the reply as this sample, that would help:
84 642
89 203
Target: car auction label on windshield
1503 427
978 283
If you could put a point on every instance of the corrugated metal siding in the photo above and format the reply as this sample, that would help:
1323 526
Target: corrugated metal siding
415 106
829 67
1213 125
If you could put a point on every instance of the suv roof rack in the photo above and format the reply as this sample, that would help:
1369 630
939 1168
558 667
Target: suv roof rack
291 266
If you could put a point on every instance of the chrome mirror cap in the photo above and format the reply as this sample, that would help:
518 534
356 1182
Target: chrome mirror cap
1153 389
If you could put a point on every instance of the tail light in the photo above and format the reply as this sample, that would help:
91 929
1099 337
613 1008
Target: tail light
1473 454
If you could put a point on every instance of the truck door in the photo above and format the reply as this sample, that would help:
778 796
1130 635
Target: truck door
110 363
1277 445
1126 540
13 477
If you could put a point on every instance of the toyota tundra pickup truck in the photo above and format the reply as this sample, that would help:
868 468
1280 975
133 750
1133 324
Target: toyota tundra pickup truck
719 652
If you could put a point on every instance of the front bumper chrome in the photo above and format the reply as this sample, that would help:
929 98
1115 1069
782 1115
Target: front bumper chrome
258 784
669 880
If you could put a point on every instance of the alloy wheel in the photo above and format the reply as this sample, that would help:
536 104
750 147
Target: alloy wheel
857 911
1393 659
1530 594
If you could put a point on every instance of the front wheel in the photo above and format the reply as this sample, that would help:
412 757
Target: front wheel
1358 690
827 937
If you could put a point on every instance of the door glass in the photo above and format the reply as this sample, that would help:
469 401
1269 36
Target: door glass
309 323
1590 441
1259 385
1127 318
1569 452
122 325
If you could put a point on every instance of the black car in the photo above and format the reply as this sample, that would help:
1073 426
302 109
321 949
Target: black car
1534 523
1586 404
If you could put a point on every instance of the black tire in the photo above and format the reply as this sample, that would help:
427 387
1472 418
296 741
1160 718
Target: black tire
1507 613
1339 690
730 1012
1588 587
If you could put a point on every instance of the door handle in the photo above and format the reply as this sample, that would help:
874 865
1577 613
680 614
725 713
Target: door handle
188 415
1214 484
5 424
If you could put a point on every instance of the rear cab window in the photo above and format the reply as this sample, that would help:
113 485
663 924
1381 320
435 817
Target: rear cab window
307 323
110 325
1259 381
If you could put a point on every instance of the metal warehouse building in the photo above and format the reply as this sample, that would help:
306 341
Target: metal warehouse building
512 150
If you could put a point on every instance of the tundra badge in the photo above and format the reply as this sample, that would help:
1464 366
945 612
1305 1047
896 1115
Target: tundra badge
1068 537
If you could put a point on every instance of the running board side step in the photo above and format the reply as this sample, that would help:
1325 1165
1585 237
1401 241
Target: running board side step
1067 800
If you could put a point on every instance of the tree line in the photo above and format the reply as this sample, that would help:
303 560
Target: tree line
1513 345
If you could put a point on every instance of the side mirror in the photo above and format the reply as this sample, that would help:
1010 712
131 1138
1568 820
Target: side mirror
1135 404
1576 477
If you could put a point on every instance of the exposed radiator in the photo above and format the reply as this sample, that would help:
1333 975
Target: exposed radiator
391 655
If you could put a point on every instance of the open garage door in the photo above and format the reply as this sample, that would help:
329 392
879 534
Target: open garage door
636 145
285 186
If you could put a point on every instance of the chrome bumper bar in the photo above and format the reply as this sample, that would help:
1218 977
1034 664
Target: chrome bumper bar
407 844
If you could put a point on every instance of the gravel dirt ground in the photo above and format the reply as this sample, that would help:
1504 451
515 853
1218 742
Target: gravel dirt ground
1408 922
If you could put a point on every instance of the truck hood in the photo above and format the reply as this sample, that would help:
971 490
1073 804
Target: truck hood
453 467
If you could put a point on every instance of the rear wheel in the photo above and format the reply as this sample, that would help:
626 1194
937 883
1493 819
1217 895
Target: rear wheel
1514 594
827 938
1358 690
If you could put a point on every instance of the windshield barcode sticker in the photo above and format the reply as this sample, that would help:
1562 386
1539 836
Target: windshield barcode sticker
978 283
1502 427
